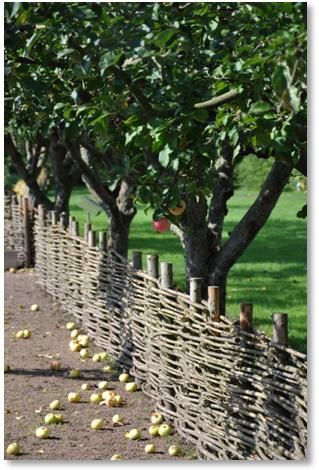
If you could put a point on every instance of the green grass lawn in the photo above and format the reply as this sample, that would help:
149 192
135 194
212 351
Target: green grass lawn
271 274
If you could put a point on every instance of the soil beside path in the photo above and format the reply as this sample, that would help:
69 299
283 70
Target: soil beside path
30 386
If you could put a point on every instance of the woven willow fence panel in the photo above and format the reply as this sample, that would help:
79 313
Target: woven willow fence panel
14 227
235 395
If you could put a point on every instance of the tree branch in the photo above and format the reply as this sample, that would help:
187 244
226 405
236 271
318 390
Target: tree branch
218 100
256 216
17 160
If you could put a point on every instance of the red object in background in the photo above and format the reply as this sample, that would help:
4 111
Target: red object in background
161 225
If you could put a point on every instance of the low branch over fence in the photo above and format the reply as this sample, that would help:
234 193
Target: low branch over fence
230 390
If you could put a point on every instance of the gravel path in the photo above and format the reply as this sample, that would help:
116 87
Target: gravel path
31 385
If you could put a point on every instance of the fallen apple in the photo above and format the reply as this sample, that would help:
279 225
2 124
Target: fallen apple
96 357
118 399
108 394
26 334
97 424
107 368
95 398
74 346
70 325
174 450
12 270
104 356
59 418
134 434
75 373
85 387
103 385
156 418
124 378
164 430
161 225
19 334
116 457
34 308
117 419
50 418
74 397
131 387
55 405
153 430
13 449
74 334
84 341
179 209
150 448
84 353
42 432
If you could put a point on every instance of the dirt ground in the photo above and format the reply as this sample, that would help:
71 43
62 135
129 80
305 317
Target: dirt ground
31 385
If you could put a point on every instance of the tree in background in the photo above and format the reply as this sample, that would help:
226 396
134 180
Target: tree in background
159 103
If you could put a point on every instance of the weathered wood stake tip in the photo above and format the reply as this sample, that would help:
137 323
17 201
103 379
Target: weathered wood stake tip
102 241
246 317
137 260
152 266
167 275
213 302
195 289
280 328
91 238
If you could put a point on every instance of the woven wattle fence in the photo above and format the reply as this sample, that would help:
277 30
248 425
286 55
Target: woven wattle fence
231 391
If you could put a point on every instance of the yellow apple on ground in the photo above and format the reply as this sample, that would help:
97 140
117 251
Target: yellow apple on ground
104 356
84 353
156 418
124 378
150 448
13 449
85 387
153 430
42 432
55 405
74 334
34 308
59 418
117 457
95 398
174 450
131 387
118 399
74 397
70 325
55 365
164 430
12 270
107 368
117 419
96 357
19 334
97 424
84 341
50 418
26 334
75 373
134 434
74 346
103 385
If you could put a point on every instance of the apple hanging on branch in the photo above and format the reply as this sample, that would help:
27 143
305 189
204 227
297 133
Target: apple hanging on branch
178 209
161 225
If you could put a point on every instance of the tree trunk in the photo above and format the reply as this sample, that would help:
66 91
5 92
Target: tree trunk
195 237
120 220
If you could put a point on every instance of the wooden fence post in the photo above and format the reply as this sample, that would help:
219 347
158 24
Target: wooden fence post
54 217
280 328
75 228
213 302
166 275
27 228
91 238
102 241
137 260
63 220
87 228
152 265
246 317
195 289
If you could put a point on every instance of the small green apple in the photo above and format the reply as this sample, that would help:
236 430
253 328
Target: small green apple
117 419
134 434
117 457
95 398
96 357
124 378
150 448
84 353
13 449
156 418
75 373
42 432
97 424
131 387
50 418
103 385
74 397
164 430
74 333
19 334
85 387
70 325
34 308
55 405
26 334
174 450
59 417
153 430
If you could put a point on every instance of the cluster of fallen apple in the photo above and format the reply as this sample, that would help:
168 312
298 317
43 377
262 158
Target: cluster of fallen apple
102 396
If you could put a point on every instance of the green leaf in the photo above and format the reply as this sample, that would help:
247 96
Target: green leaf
59 106
260 107
65 52
280 79
164 156
163 37
108 59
